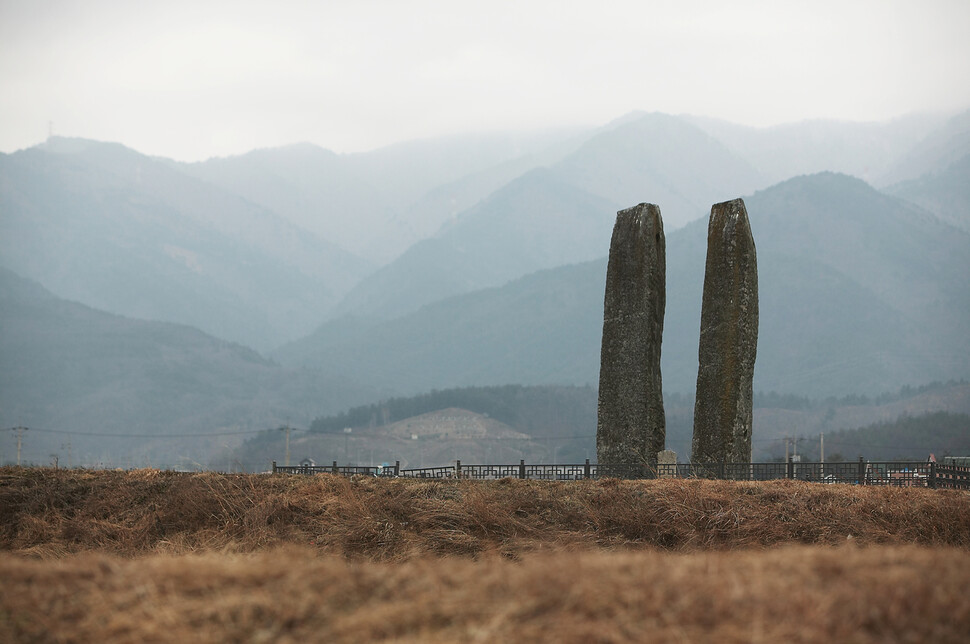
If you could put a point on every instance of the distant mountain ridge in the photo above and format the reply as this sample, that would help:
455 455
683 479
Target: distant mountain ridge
107 226
357 200
941 148
877 153
559 215
945 192
536 221
662 159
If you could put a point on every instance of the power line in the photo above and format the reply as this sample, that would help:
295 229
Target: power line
837 443
120 435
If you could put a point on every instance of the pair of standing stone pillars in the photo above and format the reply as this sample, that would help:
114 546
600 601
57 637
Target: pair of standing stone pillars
631 425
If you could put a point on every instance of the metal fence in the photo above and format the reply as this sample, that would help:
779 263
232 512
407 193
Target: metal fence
861 472
342 470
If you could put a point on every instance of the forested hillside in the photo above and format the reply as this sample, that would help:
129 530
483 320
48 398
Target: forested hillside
906 438
561 422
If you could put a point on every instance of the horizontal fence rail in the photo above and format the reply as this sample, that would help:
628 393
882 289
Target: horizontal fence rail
447 472
861 472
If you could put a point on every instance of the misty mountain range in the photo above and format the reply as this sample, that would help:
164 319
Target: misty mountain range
466 261
103 225
837 312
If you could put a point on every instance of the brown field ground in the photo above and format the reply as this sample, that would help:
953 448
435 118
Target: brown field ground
156 556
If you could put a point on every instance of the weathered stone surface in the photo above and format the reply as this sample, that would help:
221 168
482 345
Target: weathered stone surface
631 426
729 339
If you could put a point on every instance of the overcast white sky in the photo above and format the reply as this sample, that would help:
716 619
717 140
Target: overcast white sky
191 80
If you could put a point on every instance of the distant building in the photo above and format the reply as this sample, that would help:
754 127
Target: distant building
957 461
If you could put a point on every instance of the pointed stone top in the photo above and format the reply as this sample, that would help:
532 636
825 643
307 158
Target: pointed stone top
730 218
641 213
734 206
729 212
641 222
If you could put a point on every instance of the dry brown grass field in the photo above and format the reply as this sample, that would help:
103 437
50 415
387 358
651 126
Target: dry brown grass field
155 556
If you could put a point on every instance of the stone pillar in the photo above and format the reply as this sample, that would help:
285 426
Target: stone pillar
729 339
631 426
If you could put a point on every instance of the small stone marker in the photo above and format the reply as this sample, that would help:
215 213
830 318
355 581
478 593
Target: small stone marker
631 427
729 339
666 464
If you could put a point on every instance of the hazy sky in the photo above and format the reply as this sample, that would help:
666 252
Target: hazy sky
190 80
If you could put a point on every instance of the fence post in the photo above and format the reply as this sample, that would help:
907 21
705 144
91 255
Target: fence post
397 468
458 469
586 469
522 468
862 471
274 467
335 467
791 467
720 470
932 481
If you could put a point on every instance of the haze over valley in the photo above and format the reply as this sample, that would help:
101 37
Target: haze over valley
148 297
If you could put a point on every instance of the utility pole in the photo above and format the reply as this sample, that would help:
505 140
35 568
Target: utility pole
286 428
67 446
20 437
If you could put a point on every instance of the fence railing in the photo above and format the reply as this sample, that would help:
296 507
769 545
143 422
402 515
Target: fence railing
951 476
446 472
343 470
861 472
